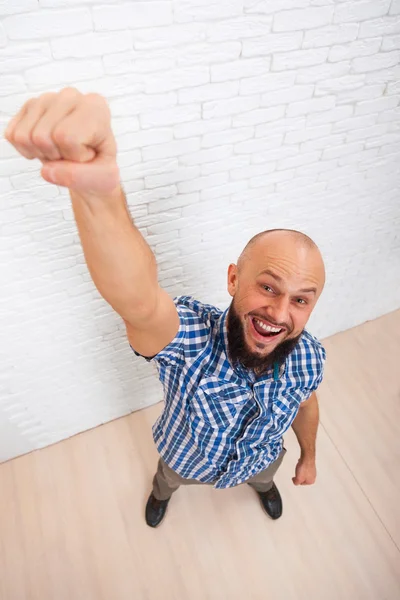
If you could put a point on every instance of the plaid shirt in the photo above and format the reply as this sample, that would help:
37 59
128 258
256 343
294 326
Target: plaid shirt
220 424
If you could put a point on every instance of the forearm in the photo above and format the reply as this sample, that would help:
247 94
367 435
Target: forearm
120 262
305 426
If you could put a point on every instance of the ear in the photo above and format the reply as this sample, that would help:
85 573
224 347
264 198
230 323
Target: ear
232 279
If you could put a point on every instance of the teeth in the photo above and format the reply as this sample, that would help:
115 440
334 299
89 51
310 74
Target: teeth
268 327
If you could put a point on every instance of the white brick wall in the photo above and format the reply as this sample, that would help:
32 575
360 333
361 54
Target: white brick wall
231 116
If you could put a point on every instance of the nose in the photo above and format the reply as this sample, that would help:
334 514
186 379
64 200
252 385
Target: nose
278 310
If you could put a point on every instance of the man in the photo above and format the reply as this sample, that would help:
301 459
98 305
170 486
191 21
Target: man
234 381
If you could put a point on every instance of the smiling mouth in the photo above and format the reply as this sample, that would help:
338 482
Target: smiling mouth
266 330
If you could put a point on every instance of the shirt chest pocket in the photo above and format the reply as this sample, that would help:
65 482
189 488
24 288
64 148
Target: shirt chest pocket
218 402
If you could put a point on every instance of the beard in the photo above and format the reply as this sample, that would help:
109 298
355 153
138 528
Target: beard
240 353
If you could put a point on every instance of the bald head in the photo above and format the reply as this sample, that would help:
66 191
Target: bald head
298 248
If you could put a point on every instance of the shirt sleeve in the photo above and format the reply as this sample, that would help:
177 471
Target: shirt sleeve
318 365
174 351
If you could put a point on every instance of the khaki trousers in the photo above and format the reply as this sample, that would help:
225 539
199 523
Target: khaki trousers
166 481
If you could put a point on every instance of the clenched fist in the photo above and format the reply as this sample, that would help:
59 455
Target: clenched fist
71 134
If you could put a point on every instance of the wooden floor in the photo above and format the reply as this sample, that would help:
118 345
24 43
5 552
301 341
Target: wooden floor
71 515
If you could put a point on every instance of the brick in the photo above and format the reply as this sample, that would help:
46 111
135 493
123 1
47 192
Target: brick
185 12
91 44
267 83
339 84
230 136
176 176
201 127
297 161
141 139
383 26
175 148
135 104
270 178
278 153
247 67
250 171
61 3
258 145
355 123
364 47
260 115
280 126
322 143
109 86
391 42
269 6
133 185
330 116
297 92
207 155
386 138
12 84
23 56
304 18
170 116
238 28
47 23
17 6
205 53
367 92
138 62
274 42
295 184
330 35
231 164
395 7
7 150
169 225
299 58
363 134
5 185
132 15
389 116
390 149
311 133
378 105
178 201
384 75
210 91
154 38
227 189
346 149
360 11
379 61
66 71
220 108
321 72
177 78
146 196
202 183
393 88
310 106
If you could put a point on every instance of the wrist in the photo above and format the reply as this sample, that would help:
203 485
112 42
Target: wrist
307 456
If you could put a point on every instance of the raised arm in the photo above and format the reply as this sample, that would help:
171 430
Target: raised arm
71 134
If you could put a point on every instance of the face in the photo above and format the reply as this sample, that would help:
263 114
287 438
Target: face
274 290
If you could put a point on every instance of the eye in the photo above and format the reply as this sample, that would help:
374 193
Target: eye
267 288
301 301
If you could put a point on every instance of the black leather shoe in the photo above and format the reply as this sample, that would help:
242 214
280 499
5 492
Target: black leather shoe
155 510
271 502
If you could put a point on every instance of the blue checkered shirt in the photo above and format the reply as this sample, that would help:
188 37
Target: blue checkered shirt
220 424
